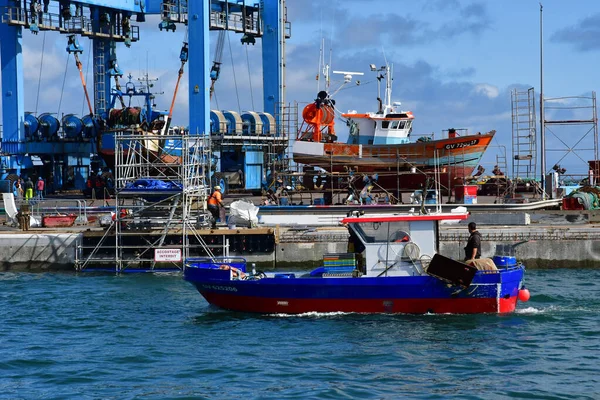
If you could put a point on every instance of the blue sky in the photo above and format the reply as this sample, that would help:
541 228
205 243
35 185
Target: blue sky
455 62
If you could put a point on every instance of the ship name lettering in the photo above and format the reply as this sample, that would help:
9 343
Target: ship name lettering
220 287
460 145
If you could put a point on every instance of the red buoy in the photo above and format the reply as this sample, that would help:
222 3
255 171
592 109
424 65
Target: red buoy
524 295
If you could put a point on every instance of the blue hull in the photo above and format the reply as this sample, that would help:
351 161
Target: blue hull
488 293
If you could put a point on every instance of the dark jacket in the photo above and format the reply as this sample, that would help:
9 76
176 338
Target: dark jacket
474 242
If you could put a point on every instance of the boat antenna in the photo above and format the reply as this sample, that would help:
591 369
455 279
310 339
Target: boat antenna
438 182
347 79
381 73
426 186
319 65
542 109
389 77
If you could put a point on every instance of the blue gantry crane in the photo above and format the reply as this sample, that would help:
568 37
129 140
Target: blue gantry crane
64 143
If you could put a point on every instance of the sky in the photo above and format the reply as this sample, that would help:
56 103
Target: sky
455 64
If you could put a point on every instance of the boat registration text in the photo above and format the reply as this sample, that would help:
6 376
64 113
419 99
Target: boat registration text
220 288
460 145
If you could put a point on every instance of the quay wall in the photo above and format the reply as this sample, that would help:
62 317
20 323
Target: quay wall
548 247
34 251
537 247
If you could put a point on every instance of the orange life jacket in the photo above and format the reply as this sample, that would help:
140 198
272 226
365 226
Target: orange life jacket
215 199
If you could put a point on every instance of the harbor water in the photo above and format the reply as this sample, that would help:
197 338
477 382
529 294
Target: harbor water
142 336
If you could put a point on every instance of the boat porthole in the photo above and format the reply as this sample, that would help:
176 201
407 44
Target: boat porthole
507 296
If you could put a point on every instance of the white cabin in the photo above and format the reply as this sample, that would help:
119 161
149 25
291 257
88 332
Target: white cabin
398 245
387 127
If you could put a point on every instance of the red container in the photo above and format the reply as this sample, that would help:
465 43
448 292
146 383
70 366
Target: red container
571 203
58 221
466 194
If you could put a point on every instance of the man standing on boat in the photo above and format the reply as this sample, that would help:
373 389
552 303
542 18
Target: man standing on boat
214 202
473 247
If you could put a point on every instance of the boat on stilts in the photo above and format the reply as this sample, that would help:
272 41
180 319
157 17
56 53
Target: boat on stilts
380 145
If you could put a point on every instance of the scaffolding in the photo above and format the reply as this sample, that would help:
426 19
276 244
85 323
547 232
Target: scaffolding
524 146
501 159
564 116
161 191
279 158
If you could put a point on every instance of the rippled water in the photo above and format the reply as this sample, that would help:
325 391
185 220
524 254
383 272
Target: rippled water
68 336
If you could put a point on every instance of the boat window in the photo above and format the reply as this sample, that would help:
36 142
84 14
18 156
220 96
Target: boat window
394 125
382 232
385 124
408 124
402 124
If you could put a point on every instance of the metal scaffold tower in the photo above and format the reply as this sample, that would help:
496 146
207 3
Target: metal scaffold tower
524 145
571 131
161 192
279 154
501 161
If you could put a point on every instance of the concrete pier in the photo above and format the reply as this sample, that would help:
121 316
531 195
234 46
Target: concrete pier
554 239
37 251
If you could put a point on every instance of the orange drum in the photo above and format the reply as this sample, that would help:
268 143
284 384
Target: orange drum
321 116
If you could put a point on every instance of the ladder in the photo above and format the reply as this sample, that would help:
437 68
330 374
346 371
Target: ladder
501 160
524 147
100 77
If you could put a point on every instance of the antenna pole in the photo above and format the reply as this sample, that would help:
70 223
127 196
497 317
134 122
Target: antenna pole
388 89
542 111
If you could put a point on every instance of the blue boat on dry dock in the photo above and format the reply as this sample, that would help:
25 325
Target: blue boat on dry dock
402 273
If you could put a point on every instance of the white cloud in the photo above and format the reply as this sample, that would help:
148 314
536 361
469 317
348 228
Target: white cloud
487 90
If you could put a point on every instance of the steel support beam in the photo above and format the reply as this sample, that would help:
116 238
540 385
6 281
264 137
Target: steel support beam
124 5
272 55
13 104
101 61
198 66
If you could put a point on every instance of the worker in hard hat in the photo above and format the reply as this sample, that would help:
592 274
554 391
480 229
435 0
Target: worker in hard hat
215 201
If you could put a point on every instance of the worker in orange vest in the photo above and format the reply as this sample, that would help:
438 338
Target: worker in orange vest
214 202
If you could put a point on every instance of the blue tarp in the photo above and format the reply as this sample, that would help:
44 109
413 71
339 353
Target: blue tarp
153 184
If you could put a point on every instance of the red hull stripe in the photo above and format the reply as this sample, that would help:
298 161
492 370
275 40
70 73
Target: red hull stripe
508 305
407 306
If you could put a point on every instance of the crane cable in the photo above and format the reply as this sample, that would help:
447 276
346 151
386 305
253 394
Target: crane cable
62 90
234 78
216 100
87 96
37 100
215 70
250 78
87 70
183 56
184 49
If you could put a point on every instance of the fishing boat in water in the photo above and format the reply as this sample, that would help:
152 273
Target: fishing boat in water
402 272
380 143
